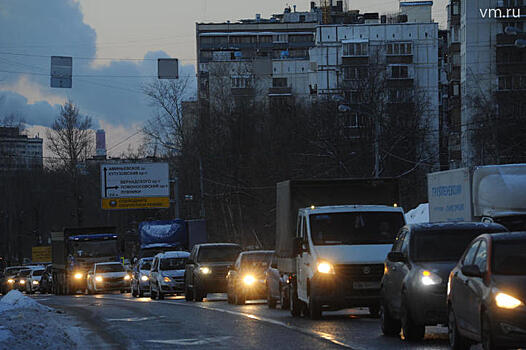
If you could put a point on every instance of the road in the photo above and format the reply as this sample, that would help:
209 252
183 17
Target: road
121 321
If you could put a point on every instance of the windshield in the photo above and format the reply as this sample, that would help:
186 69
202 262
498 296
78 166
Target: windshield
509 258
38 272
218 253
24 273
12 271
355 227
441 246
95 249
110 268
513 223
147 265
173 264
256 260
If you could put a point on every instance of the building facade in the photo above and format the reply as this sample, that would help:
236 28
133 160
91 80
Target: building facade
19 152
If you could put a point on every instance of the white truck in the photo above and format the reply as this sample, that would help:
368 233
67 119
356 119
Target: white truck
332 237
491 193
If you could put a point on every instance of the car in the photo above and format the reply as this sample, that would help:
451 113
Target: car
207 267
413 287
7 282
21 279
140 282
167 274
487 293
246 277
46 281
107 276
33 281
277 286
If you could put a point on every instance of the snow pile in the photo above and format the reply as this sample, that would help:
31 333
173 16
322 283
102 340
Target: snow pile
418 215
27 324
16 300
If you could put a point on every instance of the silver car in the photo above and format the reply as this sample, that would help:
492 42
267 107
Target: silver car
167 274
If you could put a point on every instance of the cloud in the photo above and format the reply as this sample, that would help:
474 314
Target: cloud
111 93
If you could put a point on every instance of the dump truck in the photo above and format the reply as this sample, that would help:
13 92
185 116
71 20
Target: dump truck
491 193
332 237
75 250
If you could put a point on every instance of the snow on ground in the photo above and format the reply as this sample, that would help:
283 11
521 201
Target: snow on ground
418 215
27 324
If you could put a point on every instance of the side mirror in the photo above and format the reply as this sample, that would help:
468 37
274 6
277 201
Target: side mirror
396 257
471 271
298 245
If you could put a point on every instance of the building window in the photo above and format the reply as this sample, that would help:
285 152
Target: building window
241 81
301 38
505 83
400 95
399 49
280 38
265 39
455 9
354 73
355 49
399 72
279 82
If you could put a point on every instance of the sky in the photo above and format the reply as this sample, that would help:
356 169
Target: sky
115 45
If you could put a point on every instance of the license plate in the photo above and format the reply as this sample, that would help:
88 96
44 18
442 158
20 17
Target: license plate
366 285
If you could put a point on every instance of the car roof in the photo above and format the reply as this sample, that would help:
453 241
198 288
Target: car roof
483 227
173 254
109 263
249 252
141 260
508 236
218 244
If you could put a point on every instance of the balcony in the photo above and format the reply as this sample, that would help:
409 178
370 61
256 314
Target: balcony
280 91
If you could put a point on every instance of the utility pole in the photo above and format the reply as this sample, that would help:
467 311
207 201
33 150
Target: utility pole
376 148
201 184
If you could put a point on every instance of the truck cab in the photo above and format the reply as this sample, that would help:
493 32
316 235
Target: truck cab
340 251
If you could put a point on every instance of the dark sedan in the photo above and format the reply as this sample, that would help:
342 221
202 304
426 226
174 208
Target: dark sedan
487 293
416 271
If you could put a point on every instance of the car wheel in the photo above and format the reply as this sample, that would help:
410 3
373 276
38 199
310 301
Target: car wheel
374 311
390 327
314 309
487 337
295 304
239 299
198 295
160 294
456 340
188 293
153 295
410 330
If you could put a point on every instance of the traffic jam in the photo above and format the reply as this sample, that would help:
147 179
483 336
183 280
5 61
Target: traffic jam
468 278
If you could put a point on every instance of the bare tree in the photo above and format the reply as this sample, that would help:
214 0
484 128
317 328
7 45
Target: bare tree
70 139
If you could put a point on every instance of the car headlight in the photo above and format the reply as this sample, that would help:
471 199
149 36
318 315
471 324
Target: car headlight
205 270
325 267
167 279
429 279
35 282
249 280
22 282
127 277
144 278
506 301
10 281
78 276
98 278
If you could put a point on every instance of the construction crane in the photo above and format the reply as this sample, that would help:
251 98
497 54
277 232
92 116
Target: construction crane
326 6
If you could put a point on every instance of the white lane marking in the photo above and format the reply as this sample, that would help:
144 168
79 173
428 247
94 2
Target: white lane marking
192 341
135 319
320 335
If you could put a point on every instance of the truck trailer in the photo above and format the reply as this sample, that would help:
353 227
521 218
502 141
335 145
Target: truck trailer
332 237
75 250
492 193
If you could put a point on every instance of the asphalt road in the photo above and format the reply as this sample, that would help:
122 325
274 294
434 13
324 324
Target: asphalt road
121 321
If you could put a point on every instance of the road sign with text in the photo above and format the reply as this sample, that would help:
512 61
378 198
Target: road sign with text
134 186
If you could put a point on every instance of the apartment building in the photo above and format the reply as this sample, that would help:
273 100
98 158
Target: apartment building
19 152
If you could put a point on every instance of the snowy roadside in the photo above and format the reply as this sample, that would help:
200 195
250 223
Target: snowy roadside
27 324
